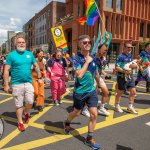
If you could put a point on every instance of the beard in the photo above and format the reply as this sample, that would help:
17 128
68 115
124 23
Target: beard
21 49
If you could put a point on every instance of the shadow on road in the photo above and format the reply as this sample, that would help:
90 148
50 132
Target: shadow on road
120 147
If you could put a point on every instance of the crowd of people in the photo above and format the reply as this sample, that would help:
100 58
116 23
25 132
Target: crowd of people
30 72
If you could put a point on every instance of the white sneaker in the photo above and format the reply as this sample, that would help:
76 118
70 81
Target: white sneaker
103 111
118 109
56 103
60 102
85 112
132 110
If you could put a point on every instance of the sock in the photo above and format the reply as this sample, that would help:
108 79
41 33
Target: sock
89 136
102 106
117 105
130 105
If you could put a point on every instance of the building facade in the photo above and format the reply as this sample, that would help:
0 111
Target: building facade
125 19
37 29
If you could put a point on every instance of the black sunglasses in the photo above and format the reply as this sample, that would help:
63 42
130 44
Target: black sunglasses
87 42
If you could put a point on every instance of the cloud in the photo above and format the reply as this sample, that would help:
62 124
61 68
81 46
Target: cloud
15 13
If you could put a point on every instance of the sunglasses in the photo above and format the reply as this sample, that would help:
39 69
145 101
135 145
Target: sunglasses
129 47
86 42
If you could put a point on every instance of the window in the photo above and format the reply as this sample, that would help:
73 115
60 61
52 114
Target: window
141 29
119 4
109 3
106 22
79 10
148 31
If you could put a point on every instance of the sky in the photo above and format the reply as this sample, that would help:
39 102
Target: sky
15 13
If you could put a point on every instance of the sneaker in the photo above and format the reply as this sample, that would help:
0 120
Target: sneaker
67 128
60 102
132 110
118 109
21 127
56 103
91 143
27 118
103 111
85 112
40 108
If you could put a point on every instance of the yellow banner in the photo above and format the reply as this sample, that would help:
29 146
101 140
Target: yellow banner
58 35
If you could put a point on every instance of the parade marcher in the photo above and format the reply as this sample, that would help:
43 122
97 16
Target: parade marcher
20 62
57 68
102 50
145 57
39 88
122 59
84 90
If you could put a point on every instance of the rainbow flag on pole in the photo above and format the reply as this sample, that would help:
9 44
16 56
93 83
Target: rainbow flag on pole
91 13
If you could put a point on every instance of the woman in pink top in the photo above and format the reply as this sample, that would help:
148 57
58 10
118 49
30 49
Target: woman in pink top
57 68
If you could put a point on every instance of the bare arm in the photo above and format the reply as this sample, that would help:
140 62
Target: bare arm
6 78
37 69
79 73
97 78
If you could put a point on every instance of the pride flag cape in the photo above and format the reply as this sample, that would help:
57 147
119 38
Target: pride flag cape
91 13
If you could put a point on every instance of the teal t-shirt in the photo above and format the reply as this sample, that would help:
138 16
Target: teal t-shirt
20 64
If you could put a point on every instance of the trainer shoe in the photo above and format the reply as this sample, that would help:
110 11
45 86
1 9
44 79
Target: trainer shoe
103 111
60 102
91 143
67 128
56 103
132 110
21 127
85 112
27 118
118 109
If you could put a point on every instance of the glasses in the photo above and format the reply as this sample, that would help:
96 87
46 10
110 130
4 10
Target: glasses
86 42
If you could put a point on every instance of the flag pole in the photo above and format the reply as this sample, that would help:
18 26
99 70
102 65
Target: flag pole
100 16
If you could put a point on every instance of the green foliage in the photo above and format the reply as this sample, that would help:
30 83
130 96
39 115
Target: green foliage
142 44
3 51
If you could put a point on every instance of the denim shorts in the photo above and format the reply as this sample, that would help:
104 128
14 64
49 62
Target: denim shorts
90 99
123 85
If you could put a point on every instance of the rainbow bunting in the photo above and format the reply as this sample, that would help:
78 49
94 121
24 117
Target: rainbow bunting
91 13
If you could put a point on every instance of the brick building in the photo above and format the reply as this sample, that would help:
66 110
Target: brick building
125 19
37 29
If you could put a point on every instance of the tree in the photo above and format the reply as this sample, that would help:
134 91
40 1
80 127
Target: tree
4 51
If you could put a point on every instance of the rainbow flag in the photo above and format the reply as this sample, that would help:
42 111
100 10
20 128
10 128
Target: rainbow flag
91 13
64 47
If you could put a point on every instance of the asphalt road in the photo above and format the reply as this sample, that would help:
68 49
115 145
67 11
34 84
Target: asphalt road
45 129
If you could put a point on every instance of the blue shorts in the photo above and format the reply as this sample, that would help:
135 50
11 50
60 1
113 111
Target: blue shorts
90 99
123 85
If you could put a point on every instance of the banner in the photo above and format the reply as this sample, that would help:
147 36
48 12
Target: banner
59 38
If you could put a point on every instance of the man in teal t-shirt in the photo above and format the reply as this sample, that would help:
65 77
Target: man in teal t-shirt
19 63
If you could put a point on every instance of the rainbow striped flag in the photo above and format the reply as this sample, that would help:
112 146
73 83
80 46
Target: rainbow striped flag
64 47
91 13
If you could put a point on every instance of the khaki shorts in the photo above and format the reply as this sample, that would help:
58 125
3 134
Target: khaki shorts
23 92
102 83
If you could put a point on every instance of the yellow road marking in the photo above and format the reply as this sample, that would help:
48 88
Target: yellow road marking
6 94
16 131
58 137
112 103
5 100
10 119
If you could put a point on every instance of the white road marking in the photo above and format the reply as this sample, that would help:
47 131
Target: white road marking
148 123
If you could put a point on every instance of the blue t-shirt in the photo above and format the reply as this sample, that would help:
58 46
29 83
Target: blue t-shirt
123 59
20 64
86 83
145 54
